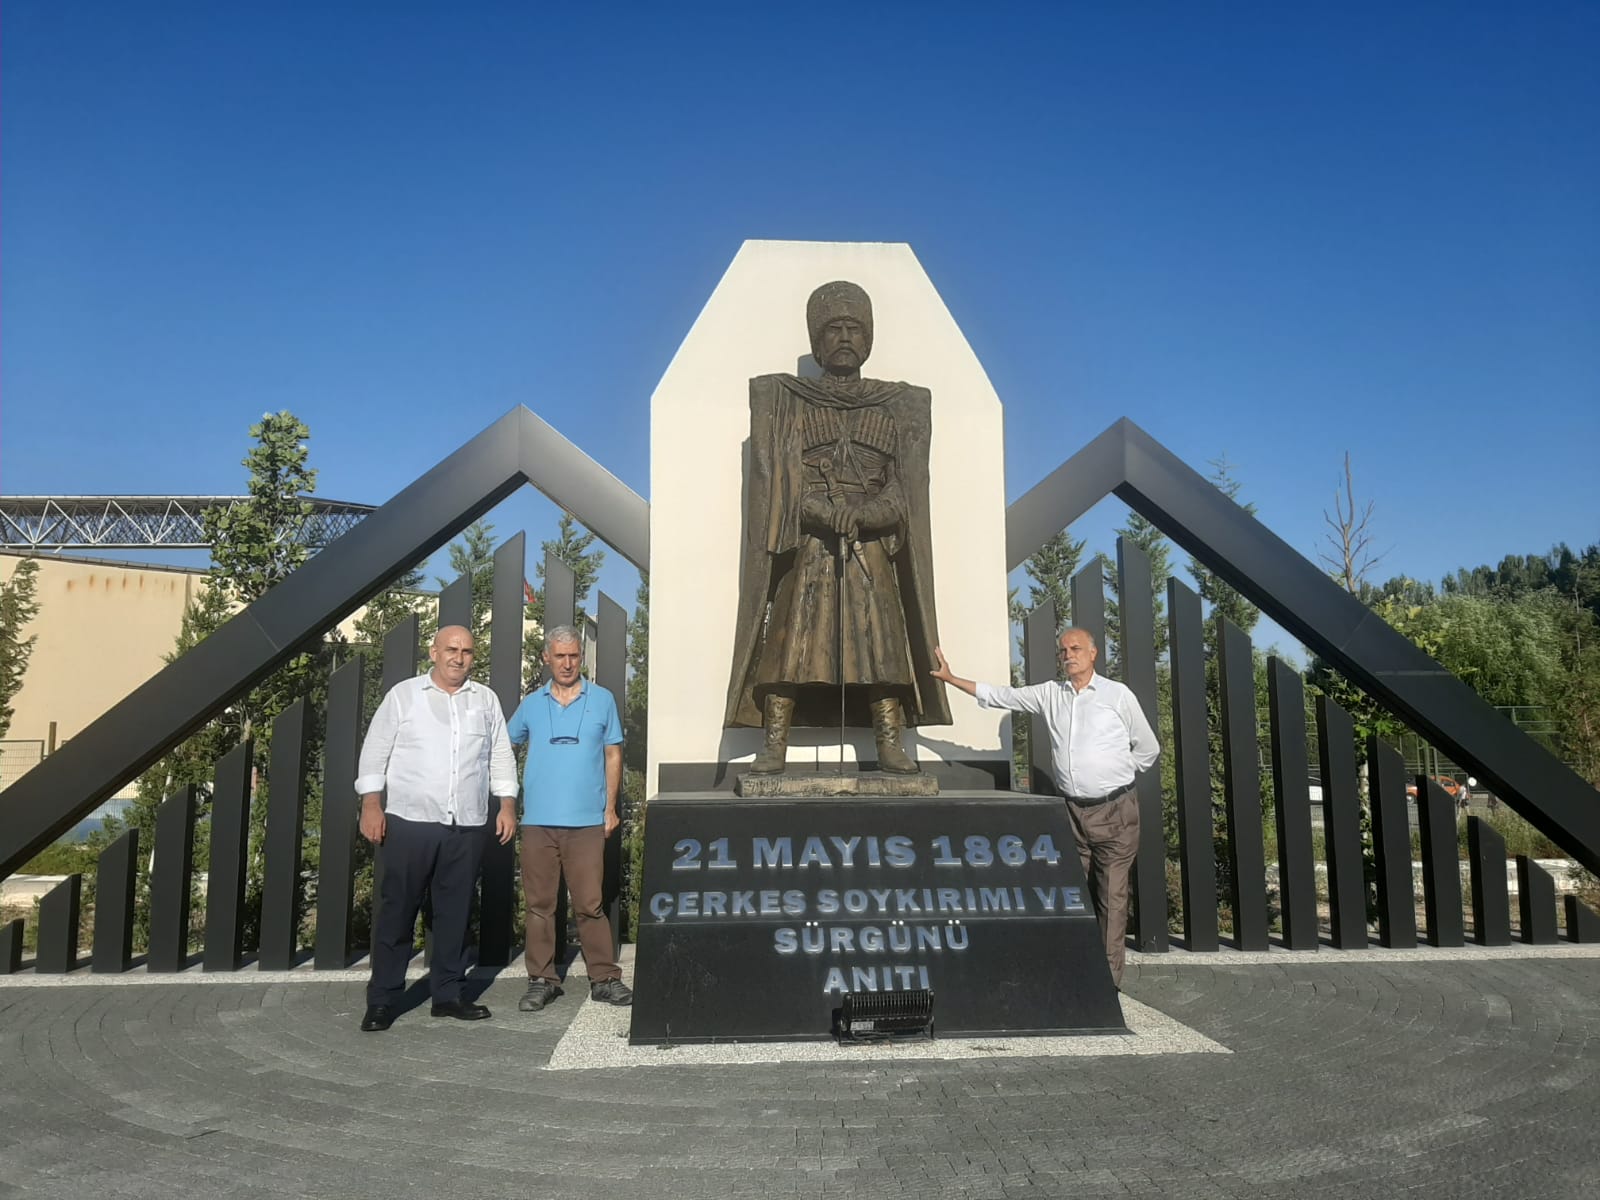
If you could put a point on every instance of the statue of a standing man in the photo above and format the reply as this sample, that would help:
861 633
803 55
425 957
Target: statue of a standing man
836 615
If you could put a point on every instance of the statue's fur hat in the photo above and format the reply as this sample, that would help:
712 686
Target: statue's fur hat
840 298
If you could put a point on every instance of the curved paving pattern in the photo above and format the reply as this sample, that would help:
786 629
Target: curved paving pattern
1431 1078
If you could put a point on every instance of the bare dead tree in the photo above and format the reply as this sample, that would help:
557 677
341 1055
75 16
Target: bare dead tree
1350 538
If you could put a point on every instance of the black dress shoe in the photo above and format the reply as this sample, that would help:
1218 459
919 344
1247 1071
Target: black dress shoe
379 1017
461 1010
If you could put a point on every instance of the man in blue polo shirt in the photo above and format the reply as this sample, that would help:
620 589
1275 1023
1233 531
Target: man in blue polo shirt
569 809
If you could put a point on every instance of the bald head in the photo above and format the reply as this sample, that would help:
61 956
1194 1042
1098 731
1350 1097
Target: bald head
451 654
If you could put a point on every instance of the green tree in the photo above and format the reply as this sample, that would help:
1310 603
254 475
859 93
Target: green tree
19 604
255 545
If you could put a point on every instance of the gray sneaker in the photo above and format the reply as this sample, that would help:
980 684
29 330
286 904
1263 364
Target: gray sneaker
612 991
540 992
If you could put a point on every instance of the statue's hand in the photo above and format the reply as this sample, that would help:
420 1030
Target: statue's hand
843 520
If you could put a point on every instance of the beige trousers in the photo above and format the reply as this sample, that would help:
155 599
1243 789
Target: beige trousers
1108 842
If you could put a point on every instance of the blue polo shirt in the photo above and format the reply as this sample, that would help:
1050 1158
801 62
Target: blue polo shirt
564 783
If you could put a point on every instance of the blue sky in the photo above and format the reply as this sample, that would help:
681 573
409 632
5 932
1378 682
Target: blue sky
1276 232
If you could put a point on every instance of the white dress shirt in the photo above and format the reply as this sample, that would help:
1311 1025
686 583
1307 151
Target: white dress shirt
1099 737
440 754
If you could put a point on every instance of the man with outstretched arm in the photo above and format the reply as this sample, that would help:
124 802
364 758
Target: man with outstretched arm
437 745
1100 740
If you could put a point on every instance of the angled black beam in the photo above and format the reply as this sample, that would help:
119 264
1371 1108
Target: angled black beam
115 877
599 501
1583 925
1391 846
1491 906
133 733
1041 664
170 875
11 946
497 892
1137 652
611 673
286 814
1191 747
1089 603
225 877
1297 880
1296 593
337 856
1536 902
59 913
455 604
1341 826
1241 787
1441 864
560 592
1065 494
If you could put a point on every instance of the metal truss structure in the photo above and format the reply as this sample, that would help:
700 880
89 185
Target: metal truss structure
35 523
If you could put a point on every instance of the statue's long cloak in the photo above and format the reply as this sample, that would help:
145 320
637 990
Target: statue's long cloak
772 527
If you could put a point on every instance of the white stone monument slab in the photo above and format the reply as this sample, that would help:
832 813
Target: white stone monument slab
755 324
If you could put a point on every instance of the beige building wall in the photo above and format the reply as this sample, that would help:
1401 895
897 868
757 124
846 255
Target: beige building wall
103 629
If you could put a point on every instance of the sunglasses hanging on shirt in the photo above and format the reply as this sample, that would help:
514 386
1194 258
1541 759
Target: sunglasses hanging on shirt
566 739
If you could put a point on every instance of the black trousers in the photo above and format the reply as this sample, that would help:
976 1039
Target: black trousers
417 856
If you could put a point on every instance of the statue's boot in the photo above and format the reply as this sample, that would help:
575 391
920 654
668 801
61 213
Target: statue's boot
776 713
888 725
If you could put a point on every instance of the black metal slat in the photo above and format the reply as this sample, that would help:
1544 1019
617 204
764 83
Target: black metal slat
59 912
1583 926
1491 905
611 673
1341 826
455 604
1040 663
1391 845
225 877
1191 745
1136 610
498 887
1441 865
170 877
399 665
1241 787
1297 881
116 874
336 864
11 946
1089 604
1536 902
286 811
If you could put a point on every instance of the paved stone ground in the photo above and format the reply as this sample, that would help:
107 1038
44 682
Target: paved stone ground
1434 1076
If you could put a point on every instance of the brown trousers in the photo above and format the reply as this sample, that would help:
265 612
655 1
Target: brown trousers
547 851
1108 842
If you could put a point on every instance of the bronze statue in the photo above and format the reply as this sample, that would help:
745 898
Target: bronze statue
836 587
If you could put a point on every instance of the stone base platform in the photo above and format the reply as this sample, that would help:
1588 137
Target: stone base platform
797 785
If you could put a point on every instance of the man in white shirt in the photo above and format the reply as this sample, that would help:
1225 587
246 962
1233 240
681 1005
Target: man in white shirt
1100 740
438 746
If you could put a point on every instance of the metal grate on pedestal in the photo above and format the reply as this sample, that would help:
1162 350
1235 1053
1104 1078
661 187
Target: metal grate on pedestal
878 1016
